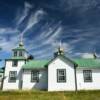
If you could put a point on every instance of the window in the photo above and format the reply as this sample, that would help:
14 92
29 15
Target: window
15 63
20 53
12 76
87 75
35 76
15 53
61 75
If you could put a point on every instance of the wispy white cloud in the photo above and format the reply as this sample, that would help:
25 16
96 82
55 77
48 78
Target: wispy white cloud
43 43
83 5
48 30
21 15
8 45
34 19
47 40
42 51
9 30
14 32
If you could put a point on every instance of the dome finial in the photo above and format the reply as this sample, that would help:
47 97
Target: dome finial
60 49
21 40
94 54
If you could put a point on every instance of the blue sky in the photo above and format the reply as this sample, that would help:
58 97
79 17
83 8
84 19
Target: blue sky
44 23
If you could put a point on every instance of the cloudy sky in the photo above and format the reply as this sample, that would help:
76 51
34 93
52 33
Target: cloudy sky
44 23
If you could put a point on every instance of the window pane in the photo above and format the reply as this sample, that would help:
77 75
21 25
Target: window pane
61 72
15 53
12 76
20 53
61 75
87 75
35 76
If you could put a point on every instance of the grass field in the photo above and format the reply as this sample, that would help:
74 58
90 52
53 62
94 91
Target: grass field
43 95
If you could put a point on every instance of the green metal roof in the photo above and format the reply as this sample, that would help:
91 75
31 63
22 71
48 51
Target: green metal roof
82 63
88 63
19 48
35 64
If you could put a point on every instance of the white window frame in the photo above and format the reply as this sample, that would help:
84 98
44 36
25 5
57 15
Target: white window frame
89 77
12 76
61 75
35 76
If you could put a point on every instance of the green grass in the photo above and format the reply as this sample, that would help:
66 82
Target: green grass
43 95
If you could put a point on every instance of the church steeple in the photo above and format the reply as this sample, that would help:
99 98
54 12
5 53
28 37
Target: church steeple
20 50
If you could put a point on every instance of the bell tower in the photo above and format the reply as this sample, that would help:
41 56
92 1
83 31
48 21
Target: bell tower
19 52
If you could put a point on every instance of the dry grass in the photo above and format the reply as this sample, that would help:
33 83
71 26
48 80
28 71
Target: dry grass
43 95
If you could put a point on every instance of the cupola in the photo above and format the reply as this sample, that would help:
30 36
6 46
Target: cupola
19 52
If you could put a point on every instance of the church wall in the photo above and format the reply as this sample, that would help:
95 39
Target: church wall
94 85
43 80
8 67
53 85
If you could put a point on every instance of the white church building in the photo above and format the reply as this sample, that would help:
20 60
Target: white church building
58 74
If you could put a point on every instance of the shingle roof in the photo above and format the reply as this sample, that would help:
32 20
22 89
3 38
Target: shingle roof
35 64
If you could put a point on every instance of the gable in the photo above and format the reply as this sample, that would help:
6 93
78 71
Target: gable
63 59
